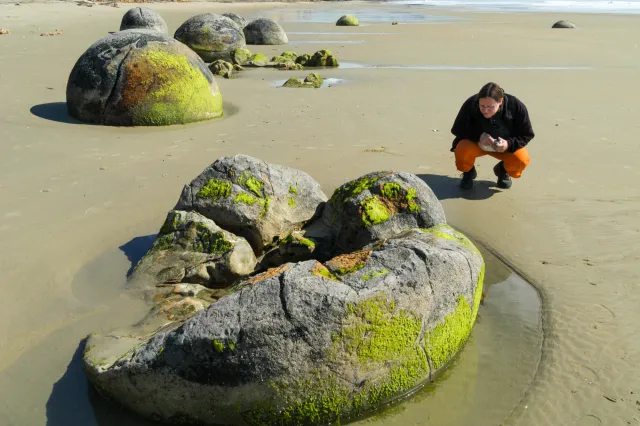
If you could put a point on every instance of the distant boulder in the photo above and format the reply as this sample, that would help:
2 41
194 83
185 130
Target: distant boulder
347 21
265 31
143 18
237 19
564 24
211 36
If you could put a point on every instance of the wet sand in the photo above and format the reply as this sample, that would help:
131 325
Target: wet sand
73 192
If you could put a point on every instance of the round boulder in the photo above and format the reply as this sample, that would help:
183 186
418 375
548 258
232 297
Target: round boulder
265 31
237 19
143 18
347 21
141 78
211 36
564 24
259 201
378 206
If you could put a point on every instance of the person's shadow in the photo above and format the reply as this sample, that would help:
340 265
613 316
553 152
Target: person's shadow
446 187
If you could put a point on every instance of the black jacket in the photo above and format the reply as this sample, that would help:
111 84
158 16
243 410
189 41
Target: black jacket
511 122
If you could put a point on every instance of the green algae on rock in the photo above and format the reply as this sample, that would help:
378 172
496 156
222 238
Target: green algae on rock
347 21
304 340
143 78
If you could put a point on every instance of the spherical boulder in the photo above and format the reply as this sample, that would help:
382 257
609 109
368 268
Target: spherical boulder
141 78
564 24
143 18
237 19
265 31
211 36
347 21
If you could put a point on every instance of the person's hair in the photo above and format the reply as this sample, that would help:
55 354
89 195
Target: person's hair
491 90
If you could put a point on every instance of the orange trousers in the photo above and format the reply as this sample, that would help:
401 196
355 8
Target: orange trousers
467 151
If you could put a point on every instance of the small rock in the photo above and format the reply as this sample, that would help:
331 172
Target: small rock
50 34
4 31
394 23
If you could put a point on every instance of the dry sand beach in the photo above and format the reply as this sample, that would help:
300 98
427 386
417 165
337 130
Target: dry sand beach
80 202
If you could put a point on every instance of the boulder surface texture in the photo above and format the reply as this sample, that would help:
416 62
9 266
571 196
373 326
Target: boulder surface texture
143 18
141 78
265 31
378 299
211 36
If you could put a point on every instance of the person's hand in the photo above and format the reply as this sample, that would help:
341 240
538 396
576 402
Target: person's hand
486 142
500 145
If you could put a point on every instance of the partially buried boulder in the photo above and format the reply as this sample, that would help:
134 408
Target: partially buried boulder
222 68
305 343
141 78
191 248
313 80
211 36
347 21
143 18
564 24
265 31
239 20
259 201
322 58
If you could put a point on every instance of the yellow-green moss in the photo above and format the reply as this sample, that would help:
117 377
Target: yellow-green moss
373 211
245 198
444 341
293 190
164 88
391 190
164 242
215 189
446 232
208 241
375 274
291 56
258 59
291 202
250 183
321 271
217 346
345 271
171 224
347 21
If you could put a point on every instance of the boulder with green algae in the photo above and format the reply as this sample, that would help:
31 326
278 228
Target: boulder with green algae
347 21
313 80
258 60
379 205
211 36
222 68
305 342
141 78
322 58
240 56
252 198
193 249
342 338
289 66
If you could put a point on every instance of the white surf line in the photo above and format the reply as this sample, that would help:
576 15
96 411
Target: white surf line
354 65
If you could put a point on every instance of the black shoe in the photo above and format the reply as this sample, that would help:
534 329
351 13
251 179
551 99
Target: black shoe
504 180
467 178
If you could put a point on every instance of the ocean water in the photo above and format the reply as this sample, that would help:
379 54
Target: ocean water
564 6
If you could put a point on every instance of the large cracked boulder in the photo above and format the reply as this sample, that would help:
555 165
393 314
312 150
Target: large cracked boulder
259 201
265 31
211 36
341 339
361 306
193 249
143 18
141 78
